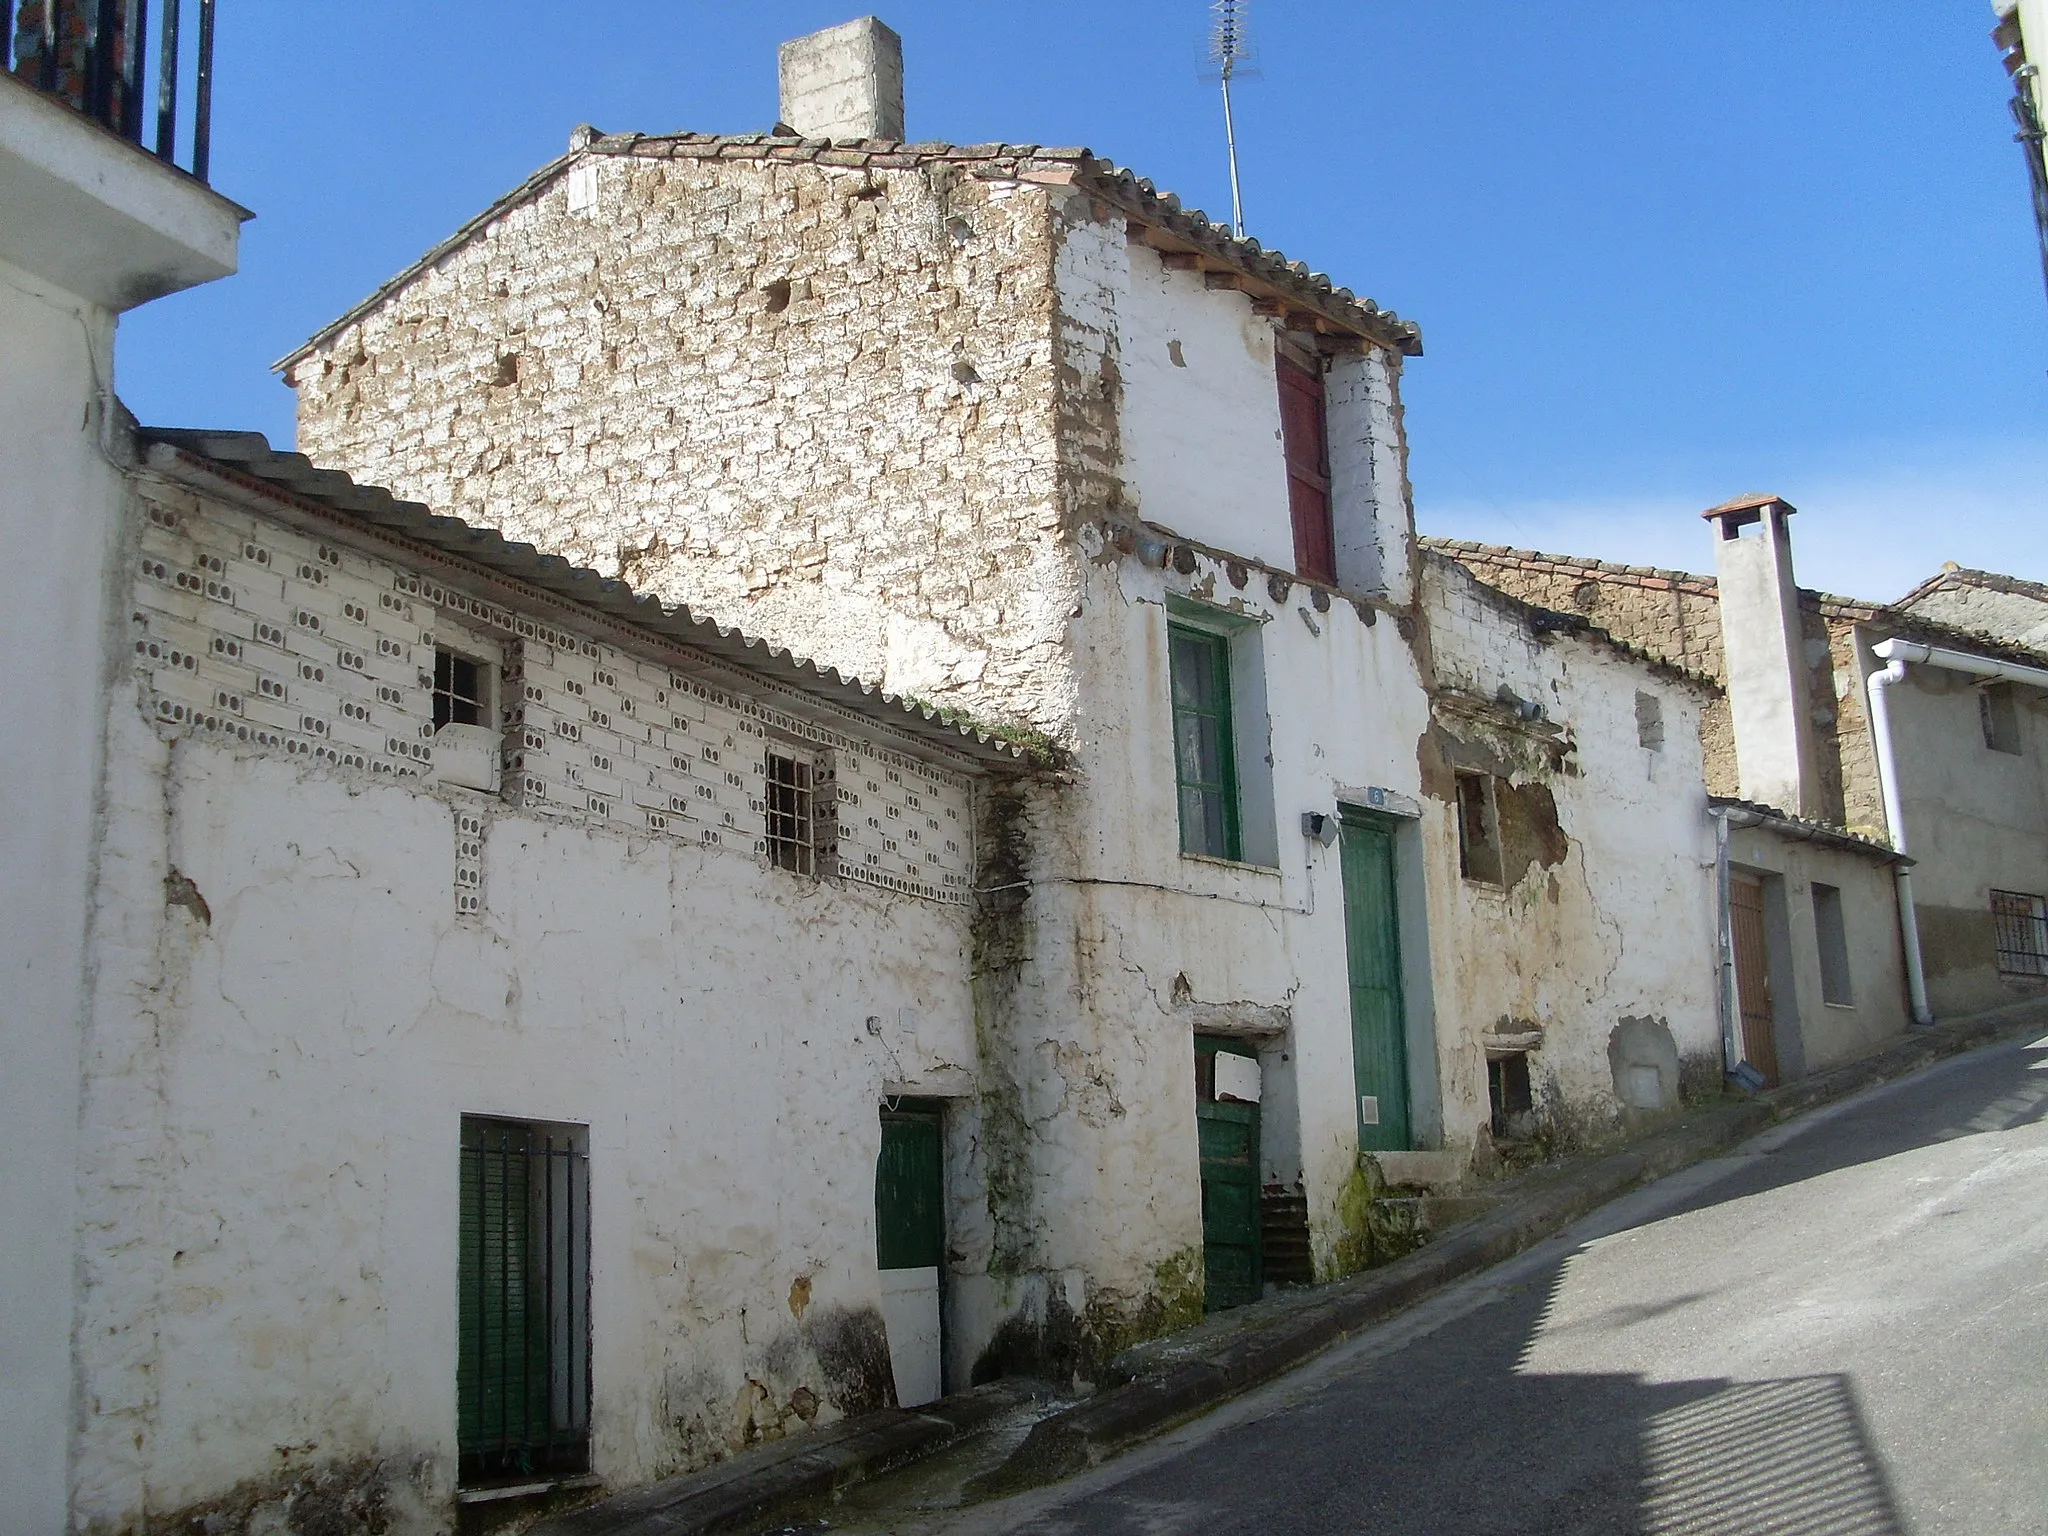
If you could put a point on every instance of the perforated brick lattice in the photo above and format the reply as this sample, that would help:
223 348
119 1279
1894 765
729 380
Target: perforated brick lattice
252 632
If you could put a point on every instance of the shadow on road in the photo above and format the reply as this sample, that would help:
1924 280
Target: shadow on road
1453 1438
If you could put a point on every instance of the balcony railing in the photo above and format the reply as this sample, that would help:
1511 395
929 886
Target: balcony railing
93 54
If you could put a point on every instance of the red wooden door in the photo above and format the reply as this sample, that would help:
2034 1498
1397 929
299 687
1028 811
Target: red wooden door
1304 433
1753 976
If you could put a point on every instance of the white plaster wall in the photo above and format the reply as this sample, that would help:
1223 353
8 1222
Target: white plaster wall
1201 411
58 518
1831 1033
1165 945
275 1087
1624 925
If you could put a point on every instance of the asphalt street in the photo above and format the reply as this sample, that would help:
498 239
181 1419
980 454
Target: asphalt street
1841 1328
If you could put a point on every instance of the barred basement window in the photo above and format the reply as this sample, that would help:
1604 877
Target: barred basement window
462 689
2021 923
792 814
522 1375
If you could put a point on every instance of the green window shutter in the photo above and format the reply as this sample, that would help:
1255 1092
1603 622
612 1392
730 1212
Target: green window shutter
1204 748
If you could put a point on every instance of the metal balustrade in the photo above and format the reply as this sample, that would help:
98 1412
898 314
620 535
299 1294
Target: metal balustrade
94 55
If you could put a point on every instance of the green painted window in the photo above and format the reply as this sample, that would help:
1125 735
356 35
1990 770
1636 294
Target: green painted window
1204 753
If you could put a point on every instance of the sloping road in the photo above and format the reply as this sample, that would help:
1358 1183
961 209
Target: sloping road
1839 1330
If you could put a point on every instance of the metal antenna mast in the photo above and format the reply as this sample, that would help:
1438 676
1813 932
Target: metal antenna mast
1228 49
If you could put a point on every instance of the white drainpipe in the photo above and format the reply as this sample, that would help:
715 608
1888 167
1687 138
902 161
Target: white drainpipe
1897 655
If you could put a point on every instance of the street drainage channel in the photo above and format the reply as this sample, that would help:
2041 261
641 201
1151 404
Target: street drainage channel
934 1485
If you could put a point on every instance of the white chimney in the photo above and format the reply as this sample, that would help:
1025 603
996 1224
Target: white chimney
1763 644
845 82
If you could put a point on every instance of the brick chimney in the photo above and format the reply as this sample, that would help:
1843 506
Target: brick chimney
1763 643
845 82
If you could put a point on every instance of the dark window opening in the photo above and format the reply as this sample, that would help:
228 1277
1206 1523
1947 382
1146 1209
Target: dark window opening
1478 829
523 1302
1649 721
1507 1088
792 823
1832 936
1999 712
2021 924
1305 437
461 690
1204 753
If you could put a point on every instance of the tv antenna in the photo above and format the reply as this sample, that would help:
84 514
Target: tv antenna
1230 55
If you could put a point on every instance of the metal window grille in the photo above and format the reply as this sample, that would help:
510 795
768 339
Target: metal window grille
2021 923
792 820
461 690
523 1280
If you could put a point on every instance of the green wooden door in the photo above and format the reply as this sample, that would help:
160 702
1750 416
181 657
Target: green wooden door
1232 1265
501 1375
910 1192
1379 1019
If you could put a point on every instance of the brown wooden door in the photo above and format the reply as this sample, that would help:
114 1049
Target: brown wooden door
1753 976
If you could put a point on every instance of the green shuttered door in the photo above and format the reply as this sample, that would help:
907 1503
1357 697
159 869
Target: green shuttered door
501 1368
1231 1261
910 1215
1372 936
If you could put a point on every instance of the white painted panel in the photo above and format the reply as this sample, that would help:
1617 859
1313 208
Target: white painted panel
910 1308
1237 1077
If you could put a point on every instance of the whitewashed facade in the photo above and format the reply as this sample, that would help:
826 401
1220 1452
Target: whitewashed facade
325 948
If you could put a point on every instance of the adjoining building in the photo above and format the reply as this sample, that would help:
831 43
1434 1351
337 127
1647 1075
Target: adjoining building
1878 723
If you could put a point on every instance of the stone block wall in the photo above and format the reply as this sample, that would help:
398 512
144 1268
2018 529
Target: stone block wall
815 399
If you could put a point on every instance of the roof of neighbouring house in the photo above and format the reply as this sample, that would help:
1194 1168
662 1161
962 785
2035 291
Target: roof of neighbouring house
1805 829
1893 616
247 459
1541 621
1173 228
1953 575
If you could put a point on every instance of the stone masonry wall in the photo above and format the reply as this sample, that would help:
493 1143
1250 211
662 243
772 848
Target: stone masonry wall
1674 616
736 383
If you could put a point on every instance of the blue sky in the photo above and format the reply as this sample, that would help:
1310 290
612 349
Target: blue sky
1661 254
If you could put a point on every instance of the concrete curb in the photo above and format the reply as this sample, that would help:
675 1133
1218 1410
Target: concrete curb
1175 1379
1178 1383
747 1491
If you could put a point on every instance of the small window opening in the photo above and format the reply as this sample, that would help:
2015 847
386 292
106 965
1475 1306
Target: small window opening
777 294
1507 1086
461 690
2020 922
1478 829
1832 937
792 818
1650 721
2000 714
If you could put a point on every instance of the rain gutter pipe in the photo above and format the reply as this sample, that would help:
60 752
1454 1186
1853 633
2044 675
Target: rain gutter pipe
1731 1053
1897 656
